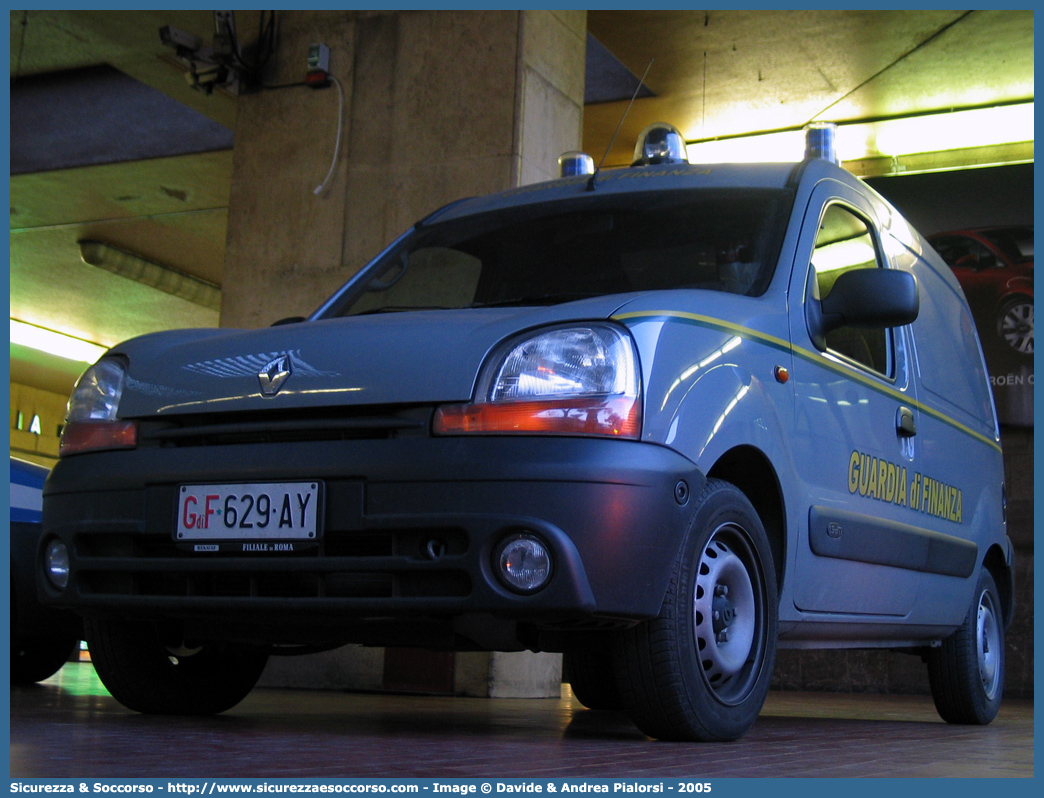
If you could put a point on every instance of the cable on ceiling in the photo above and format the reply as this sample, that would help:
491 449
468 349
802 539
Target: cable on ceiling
898 60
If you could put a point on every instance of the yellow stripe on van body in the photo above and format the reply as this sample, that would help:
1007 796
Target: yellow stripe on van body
711 322
809 355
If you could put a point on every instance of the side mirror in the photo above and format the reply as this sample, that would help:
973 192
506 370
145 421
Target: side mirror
864 298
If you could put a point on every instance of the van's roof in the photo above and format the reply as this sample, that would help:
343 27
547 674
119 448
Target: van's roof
659 177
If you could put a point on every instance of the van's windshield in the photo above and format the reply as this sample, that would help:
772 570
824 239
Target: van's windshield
546 253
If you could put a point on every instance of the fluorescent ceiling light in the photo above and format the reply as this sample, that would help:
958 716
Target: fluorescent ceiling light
956 130
55 343
785 147
142 270
982 127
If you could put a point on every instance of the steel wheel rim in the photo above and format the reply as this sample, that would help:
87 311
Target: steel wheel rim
728 624
988 645
1016 327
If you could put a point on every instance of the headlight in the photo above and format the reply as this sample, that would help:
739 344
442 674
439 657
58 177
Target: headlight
91 421
97 392
576 380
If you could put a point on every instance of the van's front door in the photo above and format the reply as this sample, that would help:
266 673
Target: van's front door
856 419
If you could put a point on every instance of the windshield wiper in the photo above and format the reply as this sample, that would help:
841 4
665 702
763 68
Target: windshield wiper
537 299
400 309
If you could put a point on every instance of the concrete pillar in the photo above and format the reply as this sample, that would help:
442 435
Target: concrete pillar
437 105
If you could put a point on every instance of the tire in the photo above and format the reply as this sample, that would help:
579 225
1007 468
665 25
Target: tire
591 675
690 676
966 673
34 659
147 675
1015 325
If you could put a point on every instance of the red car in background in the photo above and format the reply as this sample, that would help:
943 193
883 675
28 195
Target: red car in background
994 266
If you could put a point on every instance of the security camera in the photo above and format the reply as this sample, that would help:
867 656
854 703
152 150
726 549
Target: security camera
208 77
210 66
179 39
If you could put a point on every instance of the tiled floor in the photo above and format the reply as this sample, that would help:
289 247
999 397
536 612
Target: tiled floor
70 727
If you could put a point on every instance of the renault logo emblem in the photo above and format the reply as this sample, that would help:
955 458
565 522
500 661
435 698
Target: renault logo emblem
274 374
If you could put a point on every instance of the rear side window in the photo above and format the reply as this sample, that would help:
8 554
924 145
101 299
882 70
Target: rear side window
844 243
947 349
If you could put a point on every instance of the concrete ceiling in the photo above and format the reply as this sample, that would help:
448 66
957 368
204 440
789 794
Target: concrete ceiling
721 73
713 74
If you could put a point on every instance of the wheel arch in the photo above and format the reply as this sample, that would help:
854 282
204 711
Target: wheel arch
1017 287
996 563
1013 295
752 473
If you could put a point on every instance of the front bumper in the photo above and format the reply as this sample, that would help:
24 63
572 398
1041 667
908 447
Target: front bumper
29 619
409 530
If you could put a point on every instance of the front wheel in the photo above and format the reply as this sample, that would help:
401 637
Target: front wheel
152 673
700 671
589 667
34 659
966 672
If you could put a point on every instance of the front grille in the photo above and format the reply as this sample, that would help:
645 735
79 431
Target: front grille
296 426
412 543
250 583
374 564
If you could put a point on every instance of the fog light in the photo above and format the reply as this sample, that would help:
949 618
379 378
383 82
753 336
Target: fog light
523 563
56 561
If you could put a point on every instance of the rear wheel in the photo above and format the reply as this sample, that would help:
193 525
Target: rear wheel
966 673
148 673
701 669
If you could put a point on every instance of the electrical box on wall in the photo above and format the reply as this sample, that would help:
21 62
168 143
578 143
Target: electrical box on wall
318 66
319 57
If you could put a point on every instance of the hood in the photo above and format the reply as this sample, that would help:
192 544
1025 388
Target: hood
392 358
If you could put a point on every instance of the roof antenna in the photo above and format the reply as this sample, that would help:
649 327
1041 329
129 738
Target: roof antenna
638 88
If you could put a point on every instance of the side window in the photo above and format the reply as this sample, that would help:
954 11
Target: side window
844 243
965 253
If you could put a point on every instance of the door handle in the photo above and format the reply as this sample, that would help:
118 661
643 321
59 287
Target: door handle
904 423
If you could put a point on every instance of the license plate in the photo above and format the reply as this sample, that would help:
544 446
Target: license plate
249 511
